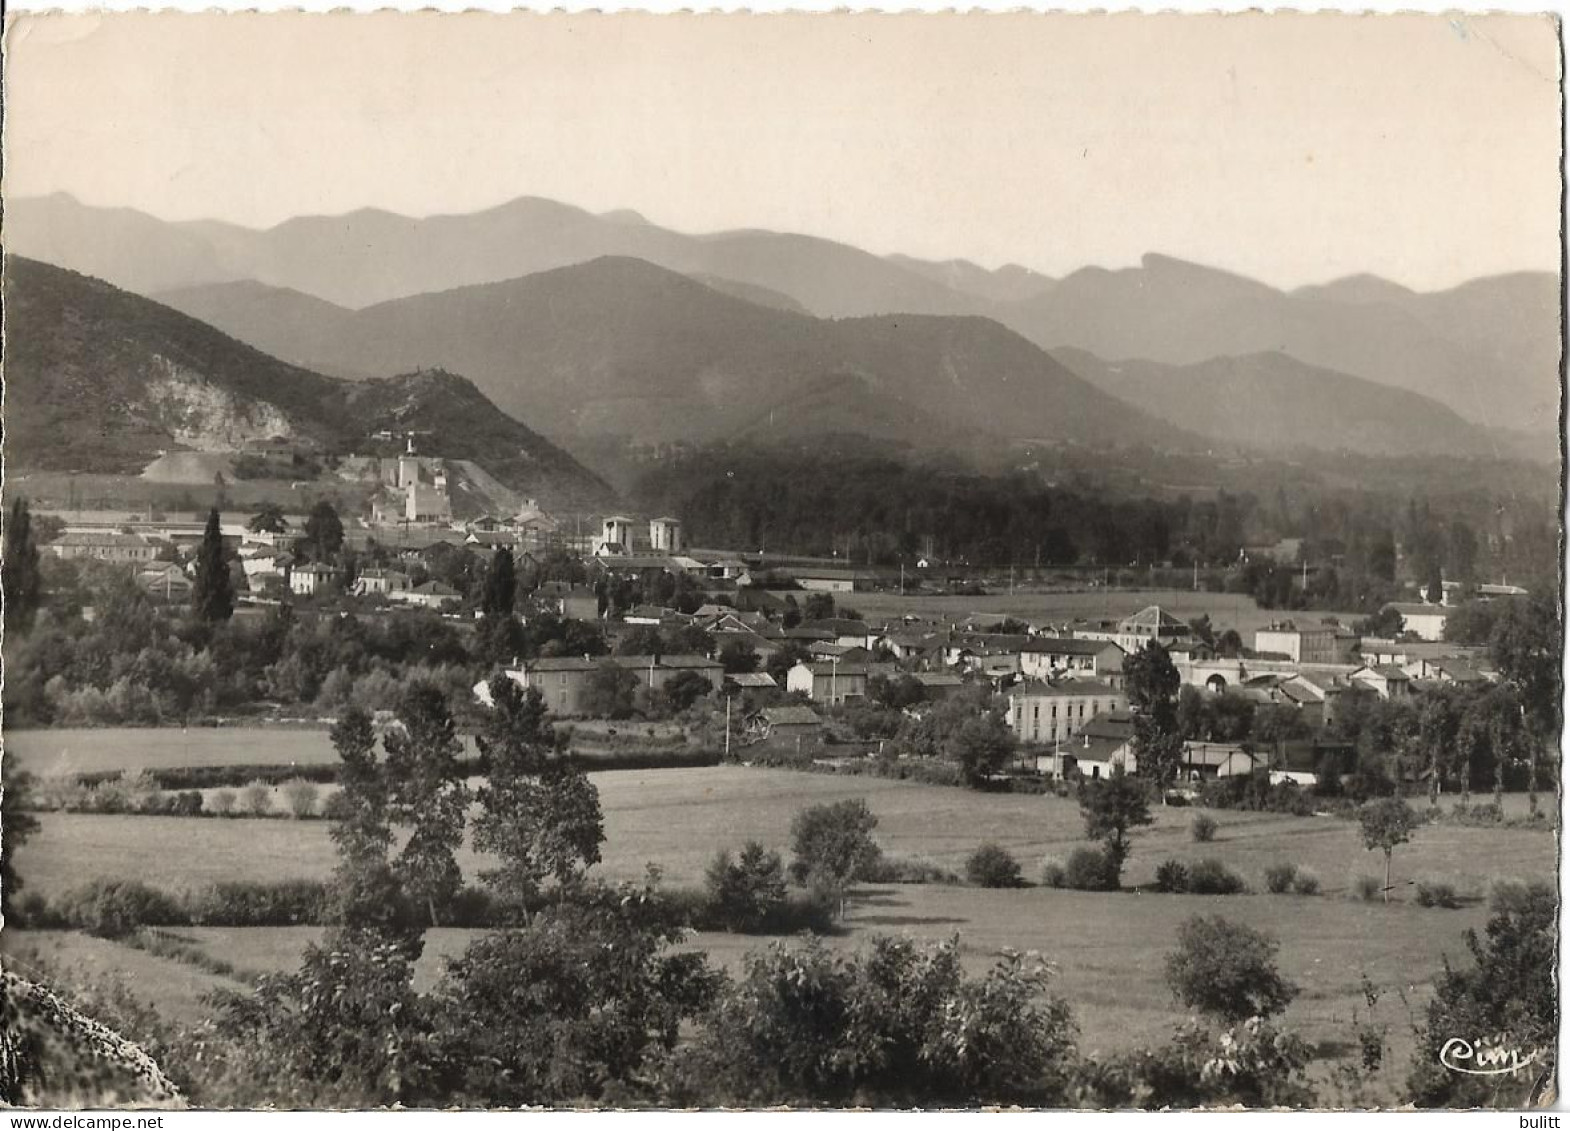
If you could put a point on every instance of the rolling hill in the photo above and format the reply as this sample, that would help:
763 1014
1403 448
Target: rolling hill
619 346
102 380
1273 402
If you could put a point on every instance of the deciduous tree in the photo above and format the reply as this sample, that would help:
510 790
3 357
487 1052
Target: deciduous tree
1113 807
1385 823
427 795
539 815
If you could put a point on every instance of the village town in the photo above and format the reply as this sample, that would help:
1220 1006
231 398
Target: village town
780 641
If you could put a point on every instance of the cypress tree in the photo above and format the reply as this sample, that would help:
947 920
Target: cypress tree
501 586
23 583
212 597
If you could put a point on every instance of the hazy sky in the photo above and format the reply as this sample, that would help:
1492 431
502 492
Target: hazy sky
1292 148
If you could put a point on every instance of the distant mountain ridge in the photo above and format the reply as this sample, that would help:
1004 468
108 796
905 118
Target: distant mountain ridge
1488 349
1273 402
620 346
102 380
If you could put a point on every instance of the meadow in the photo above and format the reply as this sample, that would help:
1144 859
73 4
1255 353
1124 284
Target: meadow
50 752
1107 948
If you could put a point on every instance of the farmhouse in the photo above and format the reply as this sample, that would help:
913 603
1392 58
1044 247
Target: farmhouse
1134 632
1310 645
1204 760
828 682
104 546
1102 746
431 595
564 681
165 580
1385 680
312 578
784 726
1052 712
1424 621
1048 657
380 582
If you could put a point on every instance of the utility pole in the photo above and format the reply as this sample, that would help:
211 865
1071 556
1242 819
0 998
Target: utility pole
727 728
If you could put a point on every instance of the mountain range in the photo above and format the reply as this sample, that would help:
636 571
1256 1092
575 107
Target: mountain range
1488 350
102 380
618 346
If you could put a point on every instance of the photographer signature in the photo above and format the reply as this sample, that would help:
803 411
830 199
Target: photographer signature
1479 1059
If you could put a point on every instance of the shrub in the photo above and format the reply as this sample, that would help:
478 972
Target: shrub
1089 869
1306 882
1279 877
256 798
1054 874
1203 828
909 870
991 866
300 796
249 903
744 891
112 909
222 802
1366 887
1172 876
1437 893
1227 970
187 803
1211 877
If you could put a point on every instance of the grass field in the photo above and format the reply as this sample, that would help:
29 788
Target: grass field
65 751
1107 950
1108 947
678 819
1226 610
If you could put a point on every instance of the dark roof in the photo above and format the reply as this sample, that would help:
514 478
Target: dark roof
1036 689
1407 609
751 679
823 667
839 626
1068 646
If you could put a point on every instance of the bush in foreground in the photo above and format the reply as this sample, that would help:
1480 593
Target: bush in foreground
112 909
1365 887
1054 873
744 891
898 1024
1279 878
908 870
1172 877
1306 882
300 796
256 798
1090 869
991 866
1211 877
1437 893
1227 970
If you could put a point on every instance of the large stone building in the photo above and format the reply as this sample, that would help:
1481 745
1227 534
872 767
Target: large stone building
1315 644
104 546
1052 712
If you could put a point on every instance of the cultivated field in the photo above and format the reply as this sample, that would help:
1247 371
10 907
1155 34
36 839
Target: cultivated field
1226 610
